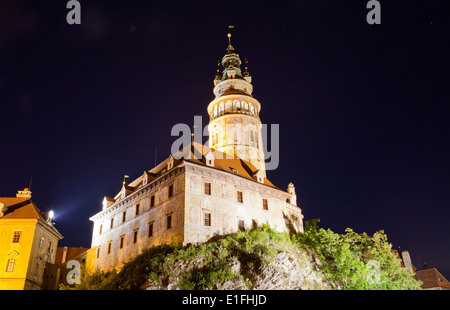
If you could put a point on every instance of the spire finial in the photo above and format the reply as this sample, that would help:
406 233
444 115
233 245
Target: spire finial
230 47
125 177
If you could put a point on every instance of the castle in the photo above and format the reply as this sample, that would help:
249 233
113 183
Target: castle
201 190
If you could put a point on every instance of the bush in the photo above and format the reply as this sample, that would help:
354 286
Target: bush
357 261
344 261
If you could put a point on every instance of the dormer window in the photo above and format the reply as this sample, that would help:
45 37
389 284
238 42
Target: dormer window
145 179
107 202
259 176
210 159
170 163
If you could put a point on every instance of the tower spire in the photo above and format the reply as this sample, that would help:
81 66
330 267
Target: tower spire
230 47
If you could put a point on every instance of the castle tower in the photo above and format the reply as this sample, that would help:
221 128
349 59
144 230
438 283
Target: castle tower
235 127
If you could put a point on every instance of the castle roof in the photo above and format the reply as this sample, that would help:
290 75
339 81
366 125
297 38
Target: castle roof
21 208
222 161
195 153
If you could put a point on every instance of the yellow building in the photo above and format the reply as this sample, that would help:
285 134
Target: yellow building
28 242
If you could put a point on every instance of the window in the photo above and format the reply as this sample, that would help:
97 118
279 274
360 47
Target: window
207 188
10 265
41 243
239 197
170 190
36 270
121 242
135 235
207 219
111 225
169 221
100 230
288 200
150 230
16 236
241 225
124 216
137 209
152 201
265 204
98 252
109 247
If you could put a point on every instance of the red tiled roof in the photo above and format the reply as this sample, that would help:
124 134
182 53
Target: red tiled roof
20 208
71 254
234 165
432 278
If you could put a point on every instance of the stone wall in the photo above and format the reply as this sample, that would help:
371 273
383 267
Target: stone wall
225 209
156 216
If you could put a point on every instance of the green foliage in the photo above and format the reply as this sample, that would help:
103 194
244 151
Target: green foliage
346 259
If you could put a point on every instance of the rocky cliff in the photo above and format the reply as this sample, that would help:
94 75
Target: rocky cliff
260 259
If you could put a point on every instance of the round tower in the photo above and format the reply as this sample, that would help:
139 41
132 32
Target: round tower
234 126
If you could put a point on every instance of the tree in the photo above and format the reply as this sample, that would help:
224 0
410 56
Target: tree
356 261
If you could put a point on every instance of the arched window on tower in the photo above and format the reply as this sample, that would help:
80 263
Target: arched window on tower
253 135
252 109
228 106
245 106
236 105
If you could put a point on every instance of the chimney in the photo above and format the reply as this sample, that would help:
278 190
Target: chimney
291 190
64 255
406 260
3 209
26 193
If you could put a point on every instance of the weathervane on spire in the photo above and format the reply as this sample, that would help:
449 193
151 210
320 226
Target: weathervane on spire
230 47
125 177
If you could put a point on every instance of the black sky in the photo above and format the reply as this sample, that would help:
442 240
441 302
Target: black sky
363 109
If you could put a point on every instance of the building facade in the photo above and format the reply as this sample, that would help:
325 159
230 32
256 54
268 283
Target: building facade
28 242
201 191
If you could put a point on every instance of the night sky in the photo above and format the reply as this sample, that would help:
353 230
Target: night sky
363 109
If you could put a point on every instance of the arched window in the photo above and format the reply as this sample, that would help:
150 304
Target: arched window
245 106
228 106
236 105
252 109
